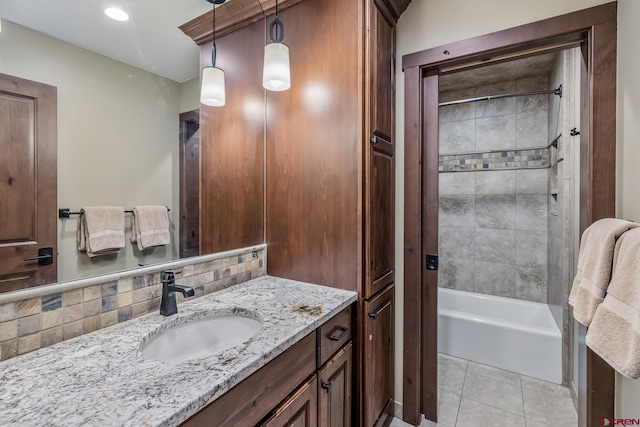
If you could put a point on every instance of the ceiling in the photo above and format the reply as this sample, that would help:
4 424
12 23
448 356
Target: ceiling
150 40
532 66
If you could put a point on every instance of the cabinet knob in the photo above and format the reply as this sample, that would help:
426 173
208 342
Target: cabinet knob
327 386
374 140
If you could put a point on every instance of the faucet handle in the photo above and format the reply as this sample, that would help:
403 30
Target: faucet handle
168 276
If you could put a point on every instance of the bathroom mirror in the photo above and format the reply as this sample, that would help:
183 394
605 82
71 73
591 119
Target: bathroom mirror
121 87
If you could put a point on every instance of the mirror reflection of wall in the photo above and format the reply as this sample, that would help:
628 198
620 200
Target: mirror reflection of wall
118 138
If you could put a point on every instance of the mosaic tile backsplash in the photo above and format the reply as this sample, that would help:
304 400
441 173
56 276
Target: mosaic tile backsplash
29 324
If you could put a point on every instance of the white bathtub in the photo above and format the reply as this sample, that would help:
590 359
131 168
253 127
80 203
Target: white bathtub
515 335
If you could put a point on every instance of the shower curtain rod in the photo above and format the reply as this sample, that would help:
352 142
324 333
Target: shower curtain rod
557 91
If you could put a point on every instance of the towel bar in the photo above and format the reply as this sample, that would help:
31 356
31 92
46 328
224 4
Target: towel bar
65 213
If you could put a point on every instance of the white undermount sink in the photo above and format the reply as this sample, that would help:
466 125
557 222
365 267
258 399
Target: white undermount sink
201 337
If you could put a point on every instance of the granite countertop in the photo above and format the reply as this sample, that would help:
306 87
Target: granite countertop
102 379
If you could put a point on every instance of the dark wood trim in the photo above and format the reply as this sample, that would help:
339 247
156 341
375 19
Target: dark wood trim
597 200
412 246
187 120
597 29
231 16
429 294
519 37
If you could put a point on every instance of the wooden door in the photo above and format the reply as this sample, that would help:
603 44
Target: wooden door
190 184
299 410
378 362
380 178
334 394
28 183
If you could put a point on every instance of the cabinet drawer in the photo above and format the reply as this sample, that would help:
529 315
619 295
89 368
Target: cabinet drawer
333 335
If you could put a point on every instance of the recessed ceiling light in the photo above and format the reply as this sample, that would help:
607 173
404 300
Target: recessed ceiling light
117 14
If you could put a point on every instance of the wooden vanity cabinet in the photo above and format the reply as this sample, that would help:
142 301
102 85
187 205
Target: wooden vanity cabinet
377 312
335 390
300 409
380 169
249 402
303 389
379 350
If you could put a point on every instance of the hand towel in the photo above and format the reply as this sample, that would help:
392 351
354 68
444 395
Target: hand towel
150 226
614 333
101 230
594 266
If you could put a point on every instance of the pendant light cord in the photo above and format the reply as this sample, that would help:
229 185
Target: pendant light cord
213 46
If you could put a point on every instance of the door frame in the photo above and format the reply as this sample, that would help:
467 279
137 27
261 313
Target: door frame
595 30
187 119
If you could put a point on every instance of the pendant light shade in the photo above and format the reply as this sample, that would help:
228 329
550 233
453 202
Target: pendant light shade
276 74
212 91
212 87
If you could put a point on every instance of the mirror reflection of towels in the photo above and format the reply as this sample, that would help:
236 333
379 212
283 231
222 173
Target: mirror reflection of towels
101 230
150 226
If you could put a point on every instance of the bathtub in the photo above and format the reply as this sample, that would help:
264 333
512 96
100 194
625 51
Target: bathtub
515 335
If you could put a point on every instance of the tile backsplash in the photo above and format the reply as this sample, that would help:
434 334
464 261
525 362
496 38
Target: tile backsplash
32 323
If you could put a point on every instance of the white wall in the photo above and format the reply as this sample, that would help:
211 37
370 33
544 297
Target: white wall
628 198
190 95
117 137
430 23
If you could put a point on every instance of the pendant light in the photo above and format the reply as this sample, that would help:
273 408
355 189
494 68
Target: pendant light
212 84
276 75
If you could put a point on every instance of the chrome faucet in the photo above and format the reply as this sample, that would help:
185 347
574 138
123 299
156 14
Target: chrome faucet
168 305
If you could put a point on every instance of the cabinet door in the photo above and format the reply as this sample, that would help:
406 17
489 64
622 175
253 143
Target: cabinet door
378 358
334 394
299 410
382 65
381 161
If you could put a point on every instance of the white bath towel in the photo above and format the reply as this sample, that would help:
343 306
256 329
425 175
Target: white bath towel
594 266
150 226
101 230
614 333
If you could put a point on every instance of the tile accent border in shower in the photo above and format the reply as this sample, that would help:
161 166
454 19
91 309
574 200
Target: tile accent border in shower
535 158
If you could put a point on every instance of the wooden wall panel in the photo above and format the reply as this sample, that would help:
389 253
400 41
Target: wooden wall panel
313 131
232 146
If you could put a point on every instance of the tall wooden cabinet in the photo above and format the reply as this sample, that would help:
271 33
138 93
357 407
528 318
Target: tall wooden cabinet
329 147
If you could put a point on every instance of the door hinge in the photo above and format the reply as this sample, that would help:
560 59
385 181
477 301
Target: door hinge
432 262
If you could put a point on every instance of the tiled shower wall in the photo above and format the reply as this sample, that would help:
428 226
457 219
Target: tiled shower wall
563 218
493 224
29 324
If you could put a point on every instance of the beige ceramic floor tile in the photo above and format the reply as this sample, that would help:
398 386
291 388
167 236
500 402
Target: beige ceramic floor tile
476 414
450 379
495 373
494 392
549 409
